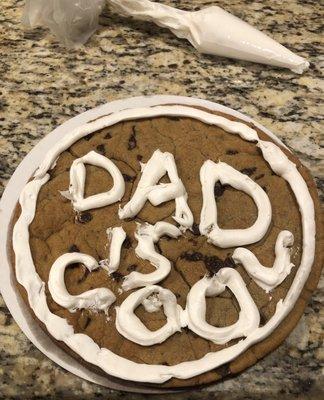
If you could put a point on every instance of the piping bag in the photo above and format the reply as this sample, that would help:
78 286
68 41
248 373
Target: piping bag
214 31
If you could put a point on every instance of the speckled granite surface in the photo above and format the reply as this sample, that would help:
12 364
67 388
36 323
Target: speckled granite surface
43 84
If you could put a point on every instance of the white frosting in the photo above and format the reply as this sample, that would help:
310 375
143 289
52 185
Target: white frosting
147 189
24 264
131 327
249 317
116 237
96 299
210 173
82 344
146 236
212 30
268 278
78 178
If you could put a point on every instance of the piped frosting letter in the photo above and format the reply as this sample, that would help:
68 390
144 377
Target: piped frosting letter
210 173
149 189
78 178
95 299
268 278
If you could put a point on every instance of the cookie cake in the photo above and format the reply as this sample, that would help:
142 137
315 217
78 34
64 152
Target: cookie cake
167 245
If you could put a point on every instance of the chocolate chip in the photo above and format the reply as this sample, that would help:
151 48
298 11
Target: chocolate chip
101 149
107 136
248 171
195 229
89 136
74 249
174 118
132 268
139 157
213 264
219 189
259 177
177 295
231 152
265 189
165 363
84 217
132 140
229 262
127 243
129 178
117 276
195 256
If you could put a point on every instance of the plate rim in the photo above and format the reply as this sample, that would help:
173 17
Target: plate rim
9 199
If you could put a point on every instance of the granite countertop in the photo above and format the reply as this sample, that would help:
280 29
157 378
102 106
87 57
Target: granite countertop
43 84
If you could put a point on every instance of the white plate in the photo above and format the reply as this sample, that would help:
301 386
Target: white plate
25 170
